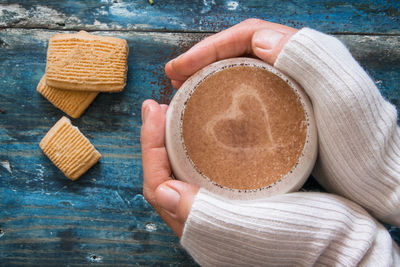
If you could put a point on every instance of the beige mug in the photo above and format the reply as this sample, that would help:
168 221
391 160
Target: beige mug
241 129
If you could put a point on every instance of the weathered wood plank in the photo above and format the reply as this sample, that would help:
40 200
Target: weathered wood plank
356 16
102 218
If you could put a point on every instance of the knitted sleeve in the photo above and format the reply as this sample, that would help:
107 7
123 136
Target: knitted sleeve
297 229
359 158
359 140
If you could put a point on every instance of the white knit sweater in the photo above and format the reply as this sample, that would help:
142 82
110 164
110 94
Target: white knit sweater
359 158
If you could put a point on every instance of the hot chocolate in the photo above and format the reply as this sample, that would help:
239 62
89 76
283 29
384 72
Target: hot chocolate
244 128
241 129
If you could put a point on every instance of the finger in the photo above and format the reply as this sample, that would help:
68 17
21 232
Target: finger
267 44
164 107
175 198
232 42
156 168
176 84
171 199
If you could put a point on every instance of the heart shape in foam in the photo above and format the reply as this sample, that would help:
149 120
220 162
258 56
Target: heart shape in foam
244 125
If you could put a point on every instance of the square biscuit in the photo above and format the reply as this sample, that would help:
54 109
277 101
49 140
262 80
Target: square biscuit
69 149
87 62
74 103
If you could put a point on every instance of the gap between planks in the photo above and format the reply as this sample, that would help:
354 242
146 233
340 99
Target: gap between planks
175 31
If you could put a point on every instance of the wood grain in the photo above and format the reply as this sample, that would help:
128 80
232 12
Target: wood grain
356 16
102 219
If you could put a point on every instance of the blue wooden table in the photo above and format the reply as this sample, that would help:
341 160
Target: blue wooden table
103 219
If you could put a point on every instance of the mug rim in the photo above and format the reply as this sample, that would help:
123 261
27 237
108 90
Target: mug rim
184 168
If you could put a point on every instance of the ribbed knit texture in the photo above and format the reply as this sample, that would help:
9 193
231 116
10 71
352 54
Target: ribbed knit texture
359 158
298 229
359 140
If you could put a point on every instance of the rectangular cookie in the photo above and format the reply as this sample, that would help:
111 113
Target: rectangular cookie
74 103
87 62
69 149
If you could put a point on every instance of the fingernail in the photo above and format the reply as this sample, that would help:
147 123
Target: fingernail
164 107
167 198
267 39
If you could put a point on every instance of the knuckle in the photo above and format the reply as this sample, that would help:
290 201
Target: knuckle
253 21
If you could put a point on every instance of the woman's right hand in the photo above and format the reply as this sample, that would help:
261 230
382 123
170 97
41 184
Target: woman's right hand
253 36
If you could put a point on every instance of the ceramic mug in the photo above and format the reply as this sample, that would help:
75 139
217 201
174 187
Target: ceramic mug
235 124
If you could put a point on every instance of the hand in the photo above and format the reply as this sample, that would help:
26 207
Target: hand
173 199
253 36
309 227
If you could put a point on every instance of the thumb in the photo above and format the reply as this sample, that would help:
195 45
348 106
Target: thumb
267 43
176 198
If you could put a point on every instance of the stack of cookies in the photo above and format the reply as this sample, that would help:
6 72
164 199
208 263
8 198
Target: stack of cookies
79 66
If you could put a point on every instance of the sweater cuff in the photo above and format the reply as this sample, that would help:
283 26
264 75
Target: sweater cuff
291 229
358 136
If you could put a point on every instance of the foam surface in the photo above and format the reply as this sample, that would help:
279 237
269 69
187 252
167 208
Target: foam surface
244 128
